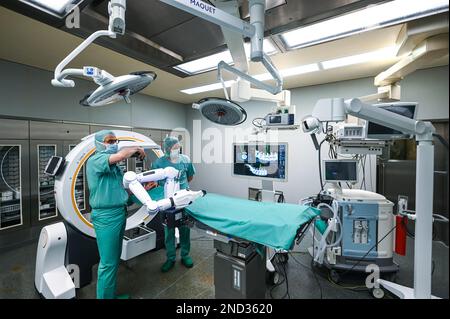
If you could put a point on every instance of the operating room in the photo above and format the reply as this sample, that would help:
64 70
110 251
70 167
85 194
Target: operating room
224 149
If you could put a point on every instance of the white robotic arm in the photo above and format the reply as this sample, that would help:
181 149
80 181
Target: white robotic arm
175 199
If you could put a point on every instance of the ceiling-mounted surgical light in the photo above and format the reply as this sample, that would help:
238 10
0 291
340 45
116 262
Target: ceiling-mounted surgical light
111 89
370 18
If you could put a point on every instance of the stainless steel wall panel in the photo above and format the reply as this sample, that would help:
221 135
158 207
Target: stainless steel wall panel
14 129
59 131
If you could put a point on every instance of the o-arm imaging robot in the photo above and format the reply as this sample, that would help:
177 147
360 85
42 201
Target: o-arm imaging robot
67 250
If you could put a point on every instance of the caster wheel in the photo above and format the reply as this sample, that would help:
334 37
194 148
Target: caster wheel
276 278
335 276
272 278
378 293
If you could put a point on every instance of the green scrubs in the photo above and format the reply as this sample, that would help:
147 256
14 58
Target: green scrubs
187 170
108 200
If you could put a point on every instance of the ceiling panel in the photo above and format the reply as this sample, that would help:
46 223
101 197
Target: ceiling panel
27 41
152 24
192 39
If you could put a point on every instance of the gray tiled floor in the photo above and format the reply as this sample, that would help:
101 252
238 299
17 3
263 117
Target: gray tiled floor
141 277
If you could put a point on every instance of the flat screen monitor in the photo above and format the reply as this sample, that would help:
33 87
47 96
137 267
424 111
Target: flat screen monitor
380 132
340 171
262 161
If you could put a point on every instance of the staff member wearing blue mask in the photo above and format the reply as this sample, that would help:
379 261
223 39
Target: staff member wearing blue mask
182 163
108 200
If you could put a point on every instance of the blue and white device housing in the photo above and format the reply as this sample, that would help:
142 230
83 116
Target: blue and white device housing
366 218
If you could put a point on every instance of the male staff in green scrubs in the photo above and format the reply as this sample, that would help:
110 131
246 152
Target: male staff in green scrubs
182 163
108 200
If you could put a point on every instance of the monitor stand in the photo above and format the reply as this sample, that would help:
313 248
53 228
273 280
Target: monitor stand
267 192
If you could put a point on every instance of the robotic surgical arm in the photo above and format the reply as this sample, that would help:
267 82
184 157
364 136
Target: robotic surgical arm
175 199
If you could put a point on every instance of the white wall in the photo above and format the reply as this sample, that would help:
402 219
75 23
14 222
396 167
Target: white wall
428 87
26 92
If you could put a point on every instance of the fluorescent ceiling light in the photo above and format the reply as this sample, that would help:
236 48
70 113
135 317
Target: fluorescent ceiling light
206 88
370 18
58 6
385 53
205 64
210 62
300 70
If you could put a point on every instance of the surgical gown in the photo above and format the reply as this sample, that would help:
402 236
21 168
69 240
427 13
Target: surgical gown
187 170
108 200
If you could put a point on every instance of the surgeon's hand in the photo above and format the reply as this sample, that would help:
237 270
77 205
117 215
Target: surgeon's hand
125 153
141 153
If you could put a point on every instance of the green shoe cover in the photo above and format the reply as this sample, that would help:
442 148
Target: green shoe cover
167 266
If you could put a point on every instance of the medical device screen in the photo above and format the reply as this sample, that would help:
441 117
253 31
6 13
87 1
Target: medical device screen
377 131
260 160
53 165
341 171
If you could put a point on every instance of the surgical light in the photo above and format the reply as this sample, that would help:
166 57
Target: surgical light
111 89
370 18
119 89
221 111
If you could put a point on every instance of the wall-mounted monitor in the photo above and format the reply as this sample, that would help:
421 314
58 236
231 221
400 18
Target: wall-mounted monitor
380 132
260 160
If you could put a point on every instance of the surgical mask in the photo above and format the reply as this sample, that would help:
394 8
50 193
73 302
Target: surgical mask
112 148
174 154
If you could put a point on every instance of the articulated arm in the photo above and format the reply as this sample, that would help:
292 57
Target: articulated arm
116 26
175 198
335 110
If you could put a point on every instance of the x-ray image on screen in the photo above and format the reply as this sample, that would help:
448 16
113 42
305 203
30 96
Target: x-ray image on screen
260 160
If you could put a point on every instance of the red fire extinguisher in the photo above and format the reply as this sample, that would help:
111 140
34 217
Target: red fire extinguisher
400 235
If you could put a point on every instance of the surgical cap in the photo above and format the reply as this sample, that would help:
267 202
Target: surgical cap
99 139
169 142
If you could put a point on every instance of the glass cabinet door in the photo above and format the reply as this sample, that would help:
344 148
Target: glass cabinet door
139 166
80 186
46 183
10 186
123 165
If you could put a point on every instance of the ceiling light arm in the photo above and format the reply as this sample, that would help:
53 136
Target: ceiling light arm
257 12
253 30
116 10
269 88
